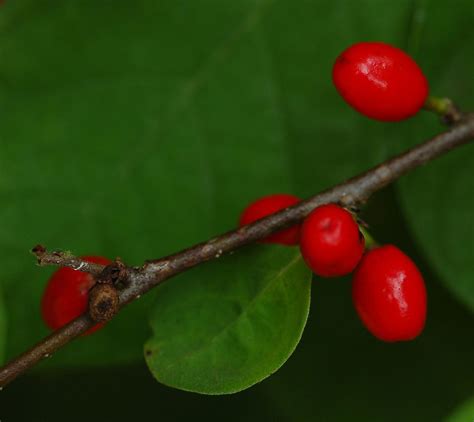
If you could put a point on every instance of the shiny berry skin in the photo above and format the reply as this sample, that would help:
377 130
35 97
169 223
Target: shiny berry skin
67 295
389 294
268 205
380 81
330 242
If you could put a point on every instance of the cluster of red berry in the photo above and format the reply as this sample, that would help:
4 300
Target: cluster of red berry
381 82
388 291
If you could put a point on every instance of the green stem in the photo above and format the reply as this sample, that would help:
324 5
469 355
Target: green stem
443 107
370 242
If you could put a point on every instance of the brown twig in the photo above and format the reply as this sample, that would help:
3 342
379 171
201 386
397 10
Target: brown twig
65 259
137 281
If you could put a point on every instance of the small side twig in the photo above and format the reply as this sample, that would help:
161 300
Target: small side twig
65 259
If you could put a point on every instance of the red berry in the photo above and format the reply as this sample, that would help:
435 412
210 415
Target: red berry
380 81
331 243
389 294
67 295
268 205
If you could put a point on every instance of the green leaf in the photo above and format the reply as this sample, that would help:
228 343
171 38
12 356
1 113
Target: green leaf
135 131
225 326
438 199
463 413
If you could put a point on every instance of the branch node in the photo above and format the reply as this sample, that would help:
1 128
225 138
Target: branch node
103 302
346 200
115 274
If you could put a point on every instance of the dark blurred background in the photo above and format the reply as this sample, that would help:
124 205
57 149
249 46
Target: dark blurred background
134 129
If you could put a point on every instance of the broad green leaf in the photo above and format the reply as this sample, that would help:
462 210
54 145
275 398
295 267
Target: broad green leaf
134 129
439 198
463 413
228 325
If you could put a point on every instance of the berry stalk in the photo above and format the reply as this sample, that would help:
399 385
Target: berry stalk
444 108
370 242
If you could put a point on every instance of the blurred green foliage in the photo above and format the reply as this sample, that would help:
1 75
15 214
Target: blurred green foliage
465 412
136 129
